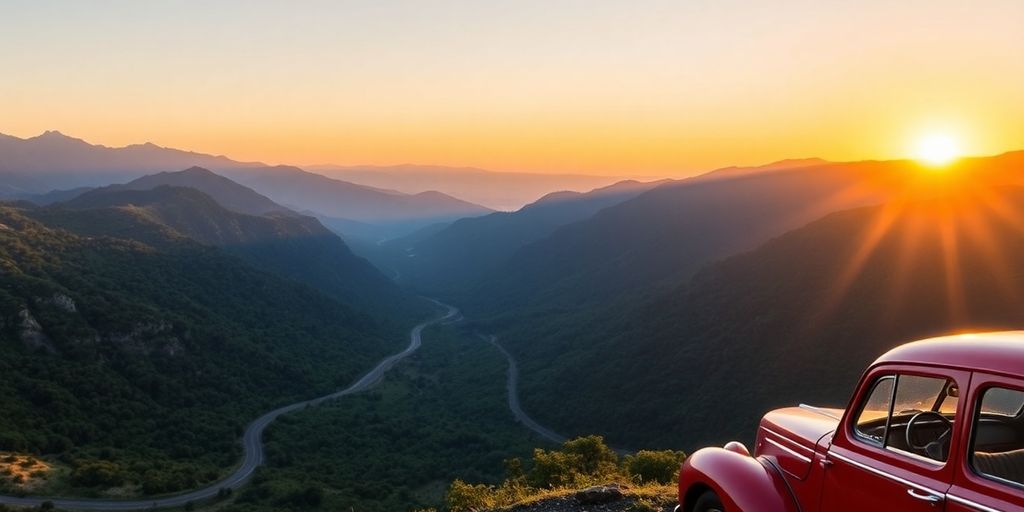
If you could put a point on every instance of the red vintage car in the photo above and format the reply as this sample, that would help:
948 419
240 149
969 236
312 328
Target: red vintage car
934 425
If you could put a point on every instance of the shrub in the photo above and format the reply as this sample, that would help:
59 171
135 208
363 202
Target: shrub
554 469
595 457
580 461
655 466
463 497
97 473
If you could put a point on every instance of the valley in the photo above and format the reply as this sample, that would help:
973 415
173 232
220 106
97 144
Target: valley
275 307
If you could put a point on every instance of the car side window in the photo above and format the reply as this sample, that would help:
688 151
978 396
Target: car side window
997 440
910 414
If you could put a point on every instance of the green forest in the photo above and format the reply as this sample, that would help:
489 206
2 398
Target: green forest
135 369
440 415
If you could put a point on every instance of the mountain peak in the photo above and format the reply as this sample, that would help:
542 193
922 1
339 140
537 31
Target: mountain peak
56 136
196 170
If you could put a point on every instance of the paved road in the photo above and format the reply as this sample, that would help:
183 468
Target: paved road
513 397
517 410
252 440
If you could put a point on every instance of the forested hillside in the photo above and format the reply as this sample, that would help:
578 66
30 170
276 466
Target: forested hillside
139 364
290 245
659 239
795 320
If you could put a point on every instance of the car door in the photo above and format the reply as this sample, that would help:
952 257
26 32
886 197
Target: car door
874 464
990 472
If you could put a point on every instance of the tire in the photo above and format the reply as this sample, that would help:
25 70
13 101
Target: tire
708 502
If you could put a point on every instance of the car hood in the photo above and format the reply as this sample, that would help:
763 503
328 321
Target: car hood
790 436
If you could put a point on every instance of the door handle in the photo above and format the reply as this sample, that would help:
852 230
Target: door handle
934 499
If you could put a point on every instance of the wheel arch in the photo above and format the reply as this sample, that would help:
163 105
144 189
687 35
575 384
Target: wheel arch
743 483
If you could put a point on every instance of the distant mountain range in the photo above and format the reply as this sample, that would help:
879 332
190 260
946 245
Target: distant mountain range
36 167
662 237
329 198
507 191
54 161
456 256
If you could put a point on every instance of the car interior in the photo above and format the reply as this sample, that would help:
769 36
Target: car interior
997 444
998 437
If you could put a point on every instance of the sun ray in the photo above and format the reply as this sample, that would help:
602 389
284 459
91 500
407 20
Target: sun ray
870 240
948 235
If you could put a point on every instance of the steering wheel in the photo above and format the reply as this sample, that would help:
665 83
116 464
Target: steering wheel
940 441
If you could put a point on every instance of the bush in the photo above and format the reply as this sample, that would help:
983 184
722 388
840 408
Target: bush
98 472
580 461
463 497
655 466
554 469
595 457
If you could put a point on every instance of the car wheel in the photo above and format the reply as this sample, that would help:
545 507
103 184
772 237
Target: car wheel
708 502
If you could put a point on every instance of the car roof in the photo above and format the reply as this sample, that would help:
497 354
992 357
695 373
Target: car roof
991 352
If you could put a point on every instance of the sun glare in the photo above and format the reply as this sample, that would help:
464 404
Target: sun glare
936 149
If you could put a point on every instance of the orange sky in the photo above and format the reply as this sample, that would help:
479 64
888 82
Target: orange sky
646 88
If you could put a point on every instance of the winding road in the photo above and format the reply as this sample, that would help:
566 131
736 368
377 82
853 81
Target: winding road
513 396
252 441
517 410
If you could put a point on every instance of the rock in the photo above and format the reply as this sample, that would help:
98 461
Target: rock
63 302
599 494
32 334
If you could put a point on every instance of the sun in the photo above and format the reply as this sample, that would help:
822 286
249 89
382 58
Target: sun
936 149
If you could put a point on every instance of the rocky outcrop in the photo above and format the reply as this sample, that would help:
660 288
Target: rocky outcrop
31 333
63 303
148 338
600 494
144 338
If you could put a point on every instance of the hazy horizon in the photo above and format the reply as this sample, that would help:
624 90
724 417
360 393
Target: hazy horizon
651 89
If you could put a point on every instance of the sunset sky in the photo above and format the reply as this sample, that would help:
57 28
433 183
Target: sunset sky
638 87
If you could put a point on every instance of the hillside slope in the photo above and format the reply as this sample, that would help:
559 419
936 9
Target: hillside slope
659 239
292 246
148 361
304 190
814 305
230 195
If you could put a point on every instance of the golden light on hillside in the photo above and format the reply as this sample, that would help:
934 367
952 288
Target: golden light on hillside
936 149
23 471
952 232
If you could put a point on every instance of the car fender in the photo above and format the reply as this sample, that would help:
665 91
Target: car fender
742 482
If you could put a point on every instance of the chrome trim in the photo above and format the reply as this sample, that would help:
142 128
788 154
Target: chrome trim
969 503
883 474
819 410
927 498
787 450
922 458
678 508
787 439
